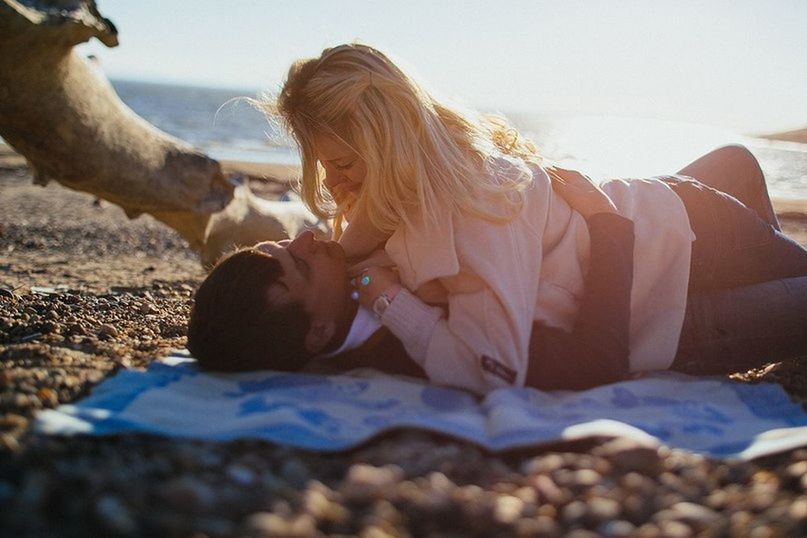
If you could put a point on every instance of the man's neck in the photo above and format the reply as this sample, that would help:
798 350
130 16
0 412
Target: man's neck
344 323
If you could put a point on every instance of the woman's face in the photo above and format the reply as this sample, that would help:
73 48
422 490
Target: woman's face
344 169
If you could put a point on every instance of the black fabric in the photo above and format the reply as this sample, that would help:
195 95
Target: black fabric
597 349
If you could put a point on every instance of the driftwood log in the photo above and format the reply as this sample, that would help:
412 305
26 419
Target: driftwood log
61 113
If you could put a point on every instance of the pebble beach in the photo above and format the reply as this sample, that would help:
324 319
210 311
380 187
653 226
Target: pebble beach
85 292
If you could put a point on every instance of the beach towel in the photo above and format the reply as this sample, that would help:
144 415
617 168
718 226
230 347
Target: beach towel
708 415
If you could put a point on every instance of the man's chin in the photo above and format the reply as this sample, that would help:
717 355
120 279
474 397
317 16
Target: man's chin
335 251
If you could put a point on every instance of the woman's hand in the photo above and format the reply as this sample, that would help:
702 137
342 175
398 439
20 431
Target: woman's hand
580 192
373 281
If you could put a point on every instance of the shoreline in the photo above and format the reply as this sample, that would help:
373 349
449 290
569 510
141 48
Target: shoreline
787 208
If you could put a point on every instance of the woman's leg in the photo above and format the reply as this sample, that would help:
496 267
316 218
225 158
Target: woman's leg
734 330
735 171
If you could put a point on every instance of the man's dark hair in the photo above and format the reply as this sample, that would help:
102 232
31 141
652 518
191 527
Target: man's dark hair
233 327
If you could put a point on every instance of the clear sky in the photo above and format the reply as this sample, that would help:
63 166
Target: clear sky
740 63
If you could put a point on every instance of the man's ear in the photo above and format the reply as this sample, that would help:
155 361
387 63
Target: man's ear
319 335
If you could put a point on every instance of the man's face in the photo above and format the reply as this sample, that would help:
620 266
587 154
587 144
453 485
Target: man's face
314 275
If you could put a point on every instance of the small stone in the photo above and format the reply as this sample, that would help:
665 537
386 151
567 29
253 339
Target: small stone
323 509
13 421
629 455
538 526
108 331
798 510
189 494
586 478
507 509
602 509
148 308
115 516
48 397
617 529
574 513
268 524
240 474
675 529
795 472
294 473
542 464
6 492
690 513
364 483
548 490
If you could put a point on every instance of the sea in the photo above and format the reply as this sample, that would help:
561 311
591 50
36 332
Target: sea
223 124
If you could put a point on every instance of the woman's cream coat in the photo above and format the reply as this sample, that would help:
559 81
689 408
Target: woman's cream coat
502 277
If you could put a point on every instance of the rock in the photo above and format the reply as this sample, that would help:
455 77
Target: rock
322 508
692 514
548 491
295 473
115 516
619 528
364 483
270 525
188 494
675 529
538 526
107 330
507 509
601 510
542 464
240 474
574 513
629 455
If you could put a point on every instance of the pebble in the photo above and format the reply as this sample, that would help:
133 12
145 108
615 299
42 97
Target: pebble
114 516
294 472
188 494
631 456
617 529
240 474
270 525
108 330
602 509
508 508
364 483
690 513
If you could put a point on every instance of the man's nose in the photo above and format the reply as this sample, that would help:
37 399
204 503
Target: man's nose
302 243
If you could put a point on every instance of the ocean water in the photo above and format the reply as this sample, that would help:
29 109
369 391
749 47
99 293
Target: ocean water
220 123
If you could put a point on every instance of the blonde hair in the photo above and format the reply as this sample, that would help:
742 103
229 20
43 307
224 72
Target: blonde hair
420 154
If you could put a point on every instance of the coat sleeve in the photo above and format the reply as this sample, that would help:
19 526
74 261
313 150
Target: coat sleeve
483 341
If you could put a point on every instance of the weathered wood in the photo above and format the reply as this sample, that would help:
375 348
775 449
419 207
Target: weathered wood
61 113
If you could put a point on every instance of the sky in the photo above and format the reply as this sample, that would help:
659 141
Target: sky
740 64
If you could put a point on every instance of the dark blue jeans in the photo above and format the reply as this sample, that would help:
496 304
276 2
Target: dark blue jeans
747 302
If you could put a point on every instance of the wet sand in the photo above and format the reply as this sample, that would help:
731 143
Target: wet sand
85 292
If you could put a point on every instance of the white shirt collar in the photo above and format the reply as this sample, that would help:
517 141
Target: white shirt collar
364 325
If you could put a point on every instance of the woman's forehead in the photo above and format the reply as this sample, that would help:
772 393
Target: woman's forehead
330 148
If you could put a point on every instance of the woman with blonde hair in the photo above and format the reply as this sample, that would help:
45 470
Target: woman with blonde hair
464 207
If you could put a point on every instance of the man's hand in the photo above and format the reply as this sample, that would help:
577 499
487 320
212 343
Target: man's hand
580 192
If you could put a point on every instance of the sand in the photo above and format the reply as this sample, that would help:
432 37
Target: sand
85 292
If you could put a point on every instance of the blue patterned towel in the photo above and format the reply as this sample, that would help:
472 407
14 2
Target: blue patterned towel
713 416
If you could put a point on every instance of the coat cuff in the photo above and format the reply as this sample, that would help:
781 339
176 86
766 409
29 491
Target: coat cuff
413 322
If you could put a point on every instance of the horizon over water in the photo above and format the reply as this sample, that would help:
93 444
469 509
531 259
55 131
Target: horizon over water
603 146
